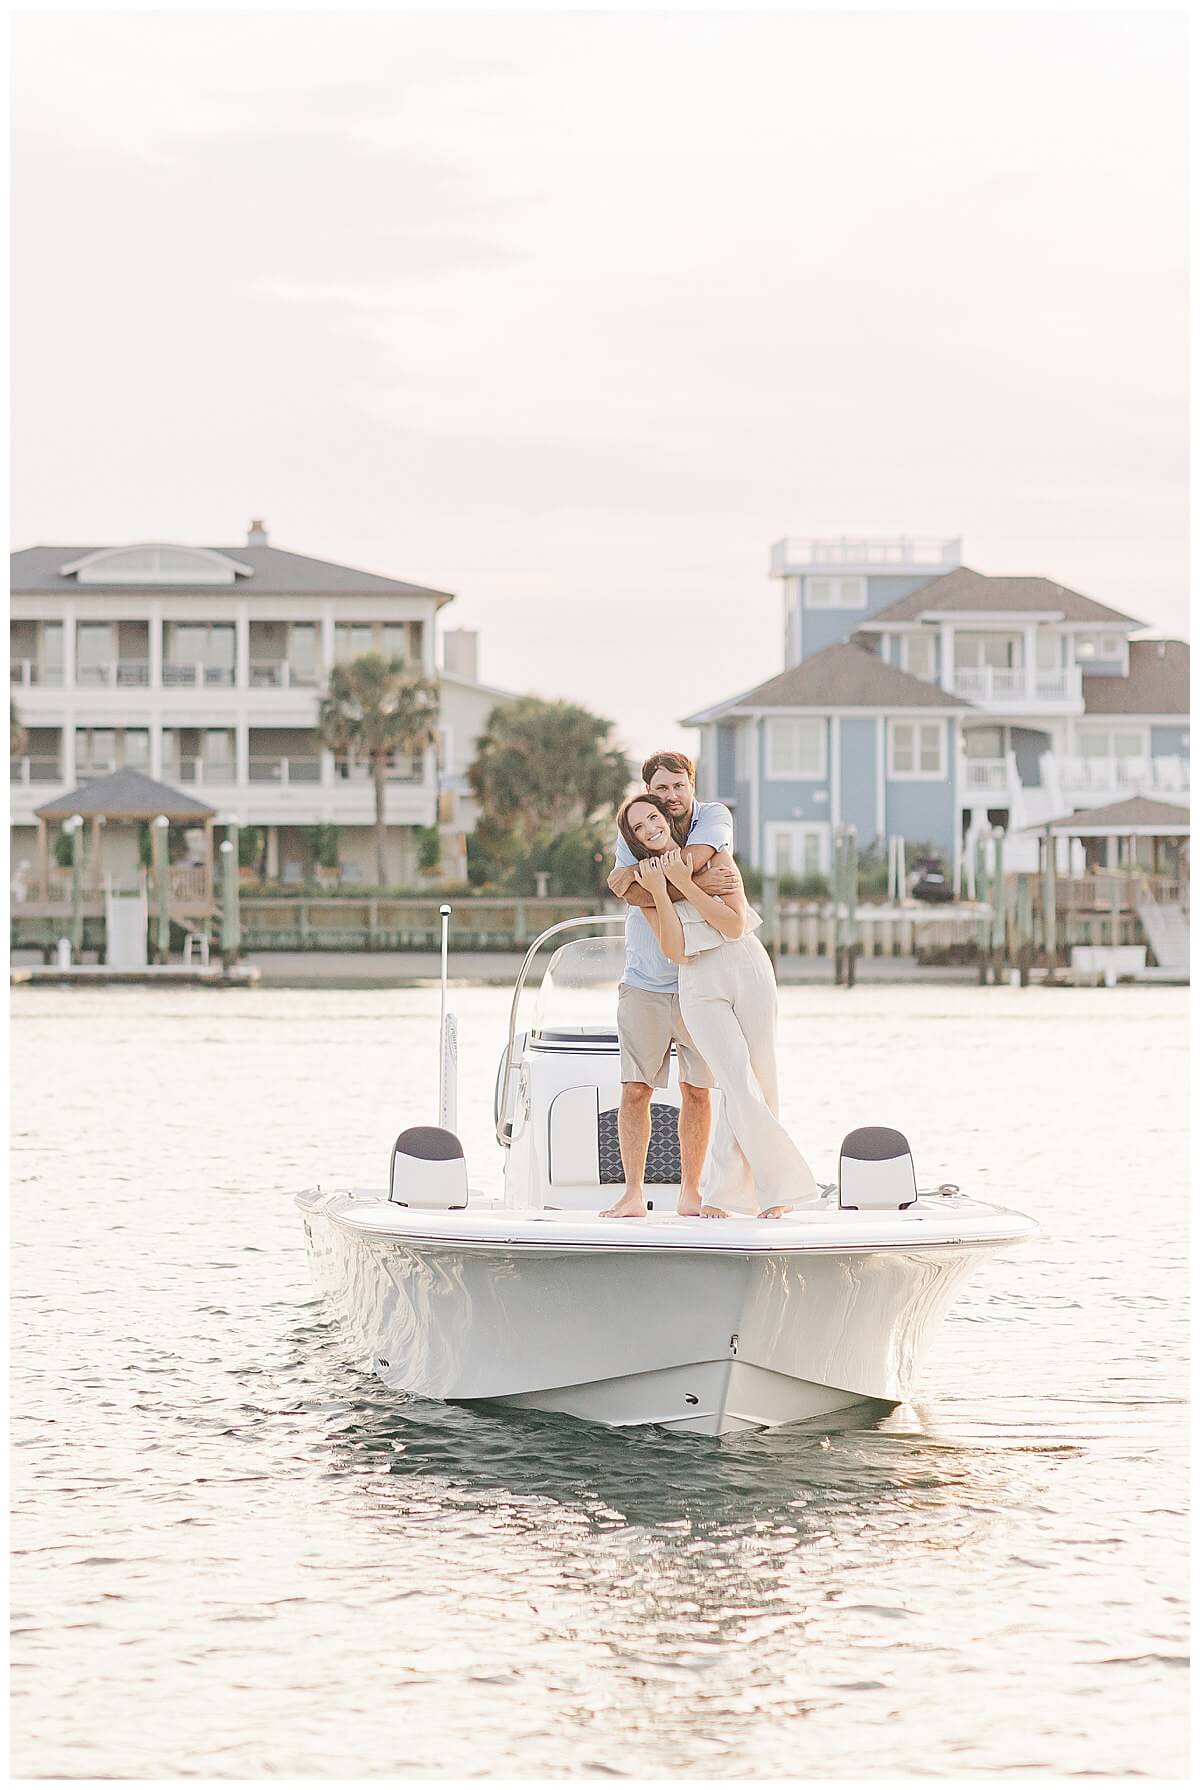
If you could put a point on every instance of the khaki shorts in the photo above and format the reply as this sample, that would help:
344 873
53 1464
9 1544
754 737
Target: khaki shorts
646 1024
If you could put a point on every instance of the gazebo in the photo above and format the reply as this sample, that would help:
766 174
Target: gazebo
123 801
1128 829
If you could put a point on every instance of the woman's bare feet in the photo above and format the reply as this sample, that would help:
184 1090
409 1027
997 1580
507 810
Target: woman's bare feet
688 1205
776 1211
630 1205
713 1212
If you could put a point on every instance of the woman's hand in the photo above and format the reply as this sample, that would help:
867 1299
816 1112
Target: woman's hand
677 869
649 872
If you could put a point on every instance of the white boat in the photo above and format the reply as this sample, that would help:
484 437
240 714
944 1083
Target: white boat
712 1326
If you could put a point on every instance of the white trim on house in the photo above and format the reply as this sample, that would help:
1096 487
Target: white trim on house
777 774
848 711
917 775
835 770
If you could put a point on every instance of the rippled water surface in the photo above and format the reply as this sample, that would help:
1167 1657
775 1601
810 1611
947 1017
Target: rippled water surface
236 1557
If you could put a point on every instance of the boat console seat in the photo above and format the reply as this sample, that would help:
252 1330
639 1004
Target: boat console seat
585 1150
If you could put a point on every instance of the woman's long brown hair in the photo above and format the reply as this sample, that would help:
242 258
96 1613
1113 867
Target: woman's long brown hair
626 831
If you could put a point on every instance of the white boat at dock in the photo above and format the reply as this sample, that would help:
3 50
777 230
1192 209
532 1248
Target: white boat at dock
533 1300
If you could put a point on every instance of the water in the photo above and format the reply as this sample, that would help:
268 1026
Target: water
235 1557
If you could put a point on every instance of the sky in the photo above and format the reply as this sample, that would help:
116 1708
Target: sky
573 314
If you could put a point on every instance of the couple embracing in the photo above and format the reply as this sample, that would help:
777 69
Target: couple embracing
697 976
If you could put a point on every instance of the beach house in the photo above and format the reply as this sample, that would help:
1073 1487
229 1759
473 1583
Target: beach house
924 699
203 667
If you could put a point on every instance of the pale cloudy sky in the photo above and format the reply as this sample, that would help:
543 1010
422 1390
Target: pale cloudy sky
573 314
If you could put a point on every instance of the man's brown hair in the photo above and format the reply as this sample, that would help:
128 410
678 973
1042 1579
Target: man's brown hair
668 761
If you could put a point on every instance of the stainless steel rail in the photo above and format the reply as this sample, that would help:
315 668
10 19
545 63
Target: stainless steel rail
502 1136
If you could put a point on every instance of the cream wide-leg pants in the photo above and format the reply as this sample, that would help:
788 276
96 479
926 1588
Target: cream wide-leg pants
729 1002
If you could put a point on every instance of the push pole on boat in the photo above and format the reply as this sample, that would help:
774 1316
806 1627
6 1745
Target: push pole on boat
1049 909
447 1038
230 917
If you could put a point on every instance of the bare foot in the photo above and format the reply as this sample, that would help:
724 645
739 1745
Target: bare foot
630 1205
688 1205
713 1212
776 1211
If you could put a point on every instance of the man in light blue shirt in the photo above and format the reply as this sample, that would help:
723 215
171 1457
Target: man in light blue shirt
648 1016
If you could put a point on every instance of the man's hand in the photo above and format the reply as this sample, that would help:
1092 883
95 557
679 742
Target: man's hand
623 881
717 879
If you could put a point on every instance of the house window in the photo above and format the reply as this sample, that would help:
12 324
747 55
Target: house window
917 749
795 748
836 593
1119 742
352 639
136 749
743 751
1048 652
918 656
983 742
1002 652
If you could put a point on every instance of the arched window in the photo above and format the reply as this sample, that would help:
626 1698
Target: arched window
153 564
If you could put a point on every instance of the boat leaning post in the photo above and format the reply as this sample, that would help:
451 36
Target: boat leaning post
160 829
504 1079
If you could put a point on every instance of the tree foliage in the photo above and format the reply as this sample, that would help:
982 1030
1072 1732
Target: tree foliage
547 768
374 707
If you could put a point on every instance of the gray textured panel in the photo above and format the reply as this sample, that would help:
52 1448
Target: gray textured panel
662 1158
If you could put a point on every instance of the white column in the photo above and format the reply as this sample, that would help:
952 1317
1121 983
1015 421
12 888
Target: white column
156 645
68 646
326 665
241 757
946 680
241 627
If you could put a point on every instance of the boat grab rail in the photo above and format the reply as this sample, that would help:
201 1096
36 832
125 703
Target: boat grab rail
503 1137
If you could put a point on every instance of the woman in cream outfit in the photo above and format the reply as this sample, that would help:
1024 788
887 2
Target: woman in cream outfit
729 1003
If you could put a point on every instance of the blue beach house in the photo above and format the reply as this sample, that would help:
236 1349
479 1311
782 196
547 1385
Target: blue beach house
922 698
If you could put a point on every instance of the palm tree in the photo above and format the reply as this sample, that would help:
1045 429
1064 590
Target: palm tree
18 738
373 707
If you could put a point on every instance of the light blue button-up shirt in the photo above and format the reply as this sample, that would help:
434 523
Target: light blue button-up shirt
646 963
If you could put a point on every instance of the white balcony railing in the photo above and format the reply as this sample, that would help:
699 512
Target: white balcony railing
27 672
116 674
985 773
403 770
284 770
193 769
203 676
34 769
277 674
1004 686
1120 774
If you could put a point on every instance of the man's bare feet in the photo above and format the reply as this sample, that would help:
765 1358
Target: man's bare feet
713 1212
630 1205
688 1205
776 1211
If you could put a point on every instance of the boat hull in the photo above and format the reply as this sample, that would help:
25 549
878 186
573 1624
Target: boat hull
710 1341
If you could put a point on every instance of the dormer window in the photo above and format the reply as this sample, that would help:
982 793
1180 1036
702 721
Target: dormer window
1098 646
151 564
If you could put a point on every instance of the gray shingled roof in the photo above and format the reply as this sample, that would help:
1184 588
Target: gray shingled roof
275 572
1159 682
965 589
1140 812
126 795
842 677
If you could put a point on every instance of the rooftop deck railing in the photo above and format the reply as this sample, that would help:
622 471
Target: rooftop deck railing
1124 773
798 553
270 769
